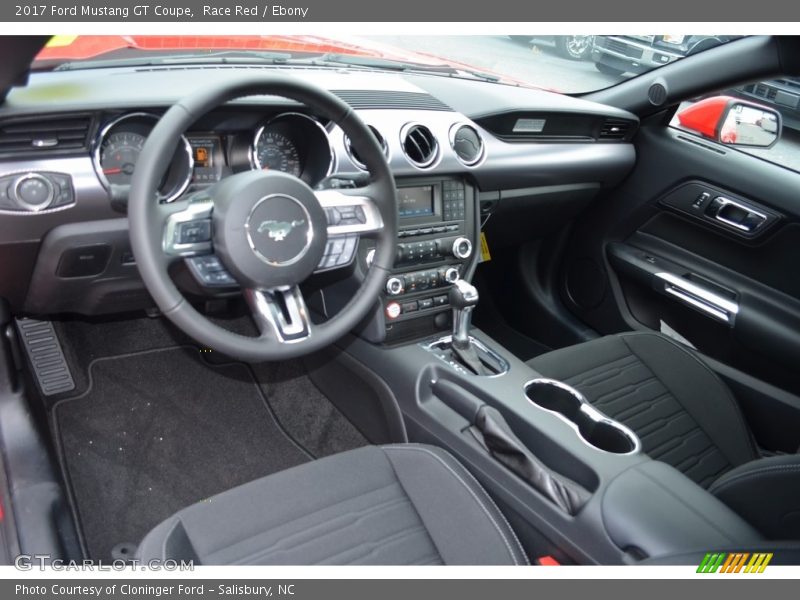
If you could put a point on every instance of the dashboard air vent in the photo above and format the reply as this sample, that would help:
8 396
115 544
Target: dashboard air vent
419 144
615 129
467 143
53 134
375 99
351 151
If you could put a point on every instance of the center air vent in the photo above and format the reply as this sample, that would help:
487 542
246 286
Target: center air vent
467 143
419 145
615 129
351 151
57 133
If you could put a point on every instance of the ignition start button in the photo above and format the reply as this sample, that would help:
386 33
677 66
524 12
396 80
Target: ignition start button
393 310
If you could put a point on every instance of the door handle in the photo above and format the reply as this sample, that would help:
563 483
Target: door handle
736 214
699 297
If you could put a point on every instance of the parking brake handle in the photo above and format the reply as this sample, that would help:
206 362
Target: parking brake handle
492 431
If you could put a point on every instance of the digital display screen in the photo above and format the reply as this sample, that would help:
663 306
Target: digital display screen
205 152
415 201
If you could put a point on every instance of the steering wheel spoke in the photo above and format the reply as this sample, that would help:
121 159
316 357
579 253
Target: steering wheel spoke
350 211
187 230
280 313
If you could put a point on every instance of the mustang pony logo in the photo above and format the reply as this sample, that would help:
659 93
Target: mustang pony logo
278 230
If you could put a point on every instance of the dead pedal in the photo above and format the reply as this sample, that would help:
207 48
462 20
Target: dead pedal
46 356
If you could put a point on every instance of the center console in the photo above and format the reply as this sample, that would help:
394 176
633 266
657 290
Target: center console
574 483
437 237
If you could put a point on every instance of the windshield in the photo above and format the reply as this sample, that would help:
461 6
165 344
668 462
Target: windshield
571 64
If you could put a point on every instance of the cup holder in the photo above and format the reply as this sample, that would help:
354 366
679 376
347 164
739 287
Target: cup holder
594 427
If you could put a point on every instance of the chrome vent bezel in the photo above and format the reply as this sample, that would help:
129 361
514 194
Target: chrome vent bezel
431 155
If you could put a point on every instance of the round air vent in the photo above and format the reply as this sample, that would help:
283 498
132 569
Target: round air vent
351 151
467 143
657 93
419 145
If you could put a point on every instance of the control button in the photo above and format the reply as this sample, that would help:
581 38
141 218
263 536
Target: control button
412 232
393 310
701 200
193 232
329 261
207 264
221 278
410 306
34 191
426 303
462 248
333 216
452 228
425 231
440 229
5 200
394 286
451 275
360 216
439 300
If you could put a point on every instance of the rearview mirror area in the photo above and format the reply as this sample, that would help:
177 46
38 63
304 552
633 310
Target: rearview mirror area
733 122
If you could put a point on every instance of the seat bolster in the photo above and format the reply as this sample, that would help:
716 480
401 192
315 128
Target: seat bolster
446 497
766 493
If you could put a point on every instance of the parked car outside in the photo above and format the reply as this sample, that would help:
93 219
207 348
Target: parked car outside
618 54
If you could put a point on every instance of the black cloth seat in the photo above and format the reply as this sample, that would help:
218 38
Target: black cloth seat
685 416
400 504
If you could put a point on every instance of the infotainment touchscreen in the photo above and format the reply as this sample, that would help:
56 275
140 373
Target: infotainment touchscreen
415 201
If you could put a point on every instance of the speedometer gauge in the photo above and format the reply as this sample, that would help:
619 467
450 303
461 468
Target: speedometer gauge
277 152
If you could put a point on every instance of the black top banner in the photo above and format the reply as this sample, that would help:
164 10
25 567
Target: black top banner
408 10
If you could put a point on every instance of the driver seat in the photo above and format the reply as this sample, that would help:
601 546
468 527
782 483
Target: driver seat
391 505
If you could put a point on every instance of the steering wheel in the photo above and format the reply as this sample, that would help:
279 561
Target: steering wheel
267 231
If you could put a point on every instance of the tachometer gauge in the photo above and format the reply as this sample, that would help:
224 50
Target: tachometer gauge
276 151
117 150
118 155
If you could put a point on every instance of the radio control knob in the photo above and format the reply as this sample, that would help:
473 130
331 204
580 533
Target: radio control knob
451 275
394 286
462 248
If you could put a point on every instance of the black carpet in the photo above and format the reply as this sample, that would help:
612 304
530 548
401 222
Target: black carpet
158 430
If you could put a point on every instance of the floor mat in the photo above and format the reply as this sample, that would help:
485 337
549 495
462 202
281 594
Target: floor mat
157 431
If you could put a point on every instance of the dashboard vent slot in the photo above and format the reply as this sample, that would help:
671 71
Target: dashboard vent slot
374 99
351 151
615 129
45 134
419 144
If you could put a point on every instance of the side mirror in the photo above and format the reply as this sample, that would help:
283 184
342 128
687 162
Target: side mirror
733 122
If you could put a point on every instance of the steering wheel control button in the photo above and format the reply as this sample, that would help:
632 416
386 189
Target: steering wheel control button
209 271
339 252
393 310
194 232
279 230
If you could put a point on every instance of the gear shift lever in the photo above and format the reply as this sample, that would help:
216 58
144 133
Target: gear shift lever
463 297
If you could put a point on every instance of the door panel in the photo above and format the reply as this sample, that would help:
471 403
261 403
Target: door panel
730 285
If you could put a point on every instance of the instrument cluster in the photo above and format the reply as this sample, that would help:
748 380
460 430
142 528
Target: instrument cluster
291 142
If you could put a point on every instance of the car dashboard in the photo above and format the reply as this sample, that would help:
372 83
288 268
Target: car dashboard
459 150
